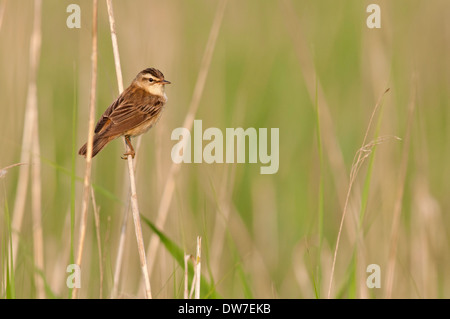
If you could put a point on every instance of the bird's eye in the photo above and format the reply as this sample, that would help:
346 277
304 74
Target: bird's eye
150 79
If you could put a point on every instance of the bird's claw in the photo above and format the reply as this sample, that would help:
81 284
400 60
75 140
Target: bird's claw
125 156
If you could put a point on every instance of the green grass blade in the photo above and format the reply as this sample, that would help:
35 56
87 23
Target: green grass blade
177 253
48 291
320 199
10 280
73 177
244 280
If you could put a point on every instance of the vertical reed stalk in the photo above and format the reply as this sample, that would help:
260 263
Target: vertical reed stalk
198 267
133 195
87 175
99 243
123 228
36 185
30 143
36 192
195 285
2 12
186 277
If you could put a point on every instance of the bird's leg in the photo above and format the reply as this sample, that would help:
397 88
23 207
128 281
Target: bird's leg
131 151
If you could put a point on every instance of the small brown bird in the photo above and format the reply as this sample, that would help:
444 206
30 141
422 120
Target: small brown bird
133 113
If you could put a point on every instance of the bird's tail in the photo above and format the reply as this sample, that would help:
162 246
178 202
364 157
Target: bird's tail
99 143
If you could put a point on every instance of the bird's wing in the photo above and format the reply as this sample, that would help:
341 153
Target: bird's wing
104 122
128 112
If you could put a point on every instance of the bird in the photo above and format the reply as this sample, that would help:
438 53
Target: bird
133 113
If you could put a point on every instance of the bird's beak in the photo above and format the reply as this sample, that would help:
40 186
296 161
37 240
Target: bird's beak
165 82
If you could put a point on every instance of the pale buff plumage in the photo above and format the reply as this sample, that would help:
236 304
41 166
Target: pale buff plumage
133 113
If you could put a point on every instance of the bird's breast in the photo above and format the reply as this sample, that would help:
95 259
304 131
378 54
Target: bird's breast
144 126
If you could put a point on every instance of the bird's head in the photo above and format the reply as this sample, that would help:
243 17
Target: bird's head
151 80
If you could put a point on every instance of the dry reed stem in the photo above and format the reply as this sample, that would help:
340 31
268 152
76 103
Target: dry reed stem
133 195
399 198
169 187
186 277
87 175
30 126
22 184
2 12
4 170
99 243
36 192
112 27
123 227
138 230
36 185
120 251
359 158
194 278
198 267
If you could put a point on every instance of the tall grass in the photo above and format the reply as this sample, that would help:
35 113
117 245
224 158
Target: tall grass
90 143
309 231
133 195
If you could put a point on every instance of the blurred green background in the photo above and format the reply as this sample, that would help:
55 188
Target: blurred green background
264 236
